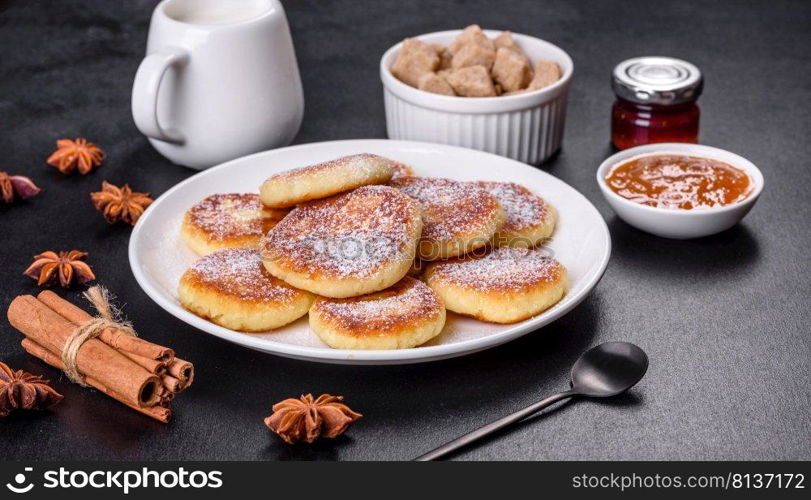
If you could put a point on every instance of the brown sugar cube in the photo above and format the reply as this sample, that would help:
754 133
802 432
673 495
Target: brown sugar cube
511 70
505 40
474 54
415 59
445 59
473 81
471 34
444 56
546 73
431 82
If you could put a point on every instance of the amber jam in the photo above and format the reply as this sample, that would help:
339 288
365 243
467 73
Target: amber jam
635 124
679 181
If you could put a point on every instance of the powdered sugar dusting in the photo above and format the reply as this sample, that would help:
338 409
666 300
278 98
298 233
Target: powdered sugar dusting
240 273
451 209
503 268
524 209
223 216
362 165
351 235
401 170
409 302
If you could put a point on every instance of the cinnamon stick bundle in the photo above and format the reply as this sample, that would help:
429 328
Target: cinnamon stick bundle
145 376
172 384
127 344
155 358
95 359
160 413
183 371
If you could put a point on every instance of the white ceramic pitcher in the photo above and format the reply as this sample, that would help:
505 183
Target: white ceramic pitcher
220 80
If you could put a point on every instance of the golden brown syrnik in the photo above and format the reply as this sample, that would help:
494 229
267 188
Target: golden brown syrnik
506 285
458 217
348 245
228 220
120 204
307 419
232 288
405 315
530 219
66 267
313 182
21 390
81 154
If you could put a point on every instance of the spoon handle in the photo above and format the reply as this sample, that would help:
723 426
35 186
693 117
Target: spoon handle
493 426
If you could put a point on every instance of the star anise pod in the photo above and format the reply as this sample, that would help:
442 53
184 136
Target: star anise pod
306 419
67 267
16 186
120 204
24 391
72 154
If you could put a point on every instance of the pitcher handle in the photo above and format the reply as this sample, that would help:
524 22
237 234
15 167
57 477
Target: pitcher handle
145 93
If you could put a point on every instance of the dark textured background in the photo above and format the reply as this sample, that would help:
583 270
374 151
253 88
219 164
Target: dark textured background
724 319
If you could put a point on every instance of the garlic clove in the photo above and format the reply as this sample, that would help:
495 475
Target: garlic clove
24 187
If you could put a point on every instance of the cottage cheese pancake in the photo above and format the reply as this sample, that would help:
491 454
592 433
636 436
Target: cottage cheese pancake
405 315
313 182
401 170
227 221
356 243
232 288
506 285
458 216
530 219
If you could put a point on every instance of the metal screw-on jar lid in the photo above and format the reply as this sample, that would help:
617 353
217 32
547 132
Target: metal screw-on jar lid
657 80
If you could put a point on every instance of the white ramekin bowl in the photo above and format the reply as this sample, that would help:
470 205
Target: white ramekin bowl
675 223
525 127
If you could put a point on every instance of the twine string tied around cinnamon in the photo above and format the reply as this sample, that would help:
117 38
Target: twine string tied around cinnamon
108 317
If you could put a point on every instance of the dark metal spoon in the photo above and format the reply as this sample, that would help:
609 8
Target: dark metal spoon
606 370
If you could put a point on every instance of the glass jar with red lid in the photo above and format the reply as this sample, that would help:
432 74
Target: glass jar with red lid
656 101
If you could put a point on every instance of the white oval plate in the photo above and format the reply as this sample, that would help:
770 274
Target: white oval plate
158 257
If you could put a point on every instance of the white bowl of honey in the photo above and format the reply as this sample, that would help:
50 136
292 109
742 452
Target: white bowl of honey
678 190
